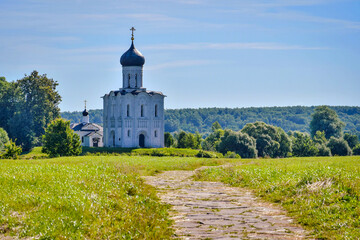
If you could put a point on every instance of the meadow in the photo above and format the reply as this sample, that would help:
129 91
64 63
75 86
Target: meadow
104 197
86 197
321 193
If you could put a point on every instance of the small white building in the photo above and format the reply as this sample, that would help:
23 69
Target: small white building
91 134
133 116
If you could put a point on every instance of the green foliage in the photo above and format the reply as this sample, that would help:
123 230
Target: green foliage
215 126
319 137
325 119
271 141
191 120
28 106
303 146
212 141
60 140
352 140
206 154
188 140
168 140
3 139
232 155
11 150
356 150
339 147
324 151
322 194
238 142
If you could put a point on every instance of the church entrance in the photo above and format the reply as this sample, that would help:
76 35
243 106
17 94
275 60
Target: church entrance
141 140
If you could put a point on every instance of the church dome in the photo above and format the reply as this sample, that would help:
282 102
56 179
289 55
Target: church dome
132 57
85 113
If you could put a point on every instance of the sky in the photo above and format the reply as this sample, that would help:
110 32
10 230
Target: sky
200 53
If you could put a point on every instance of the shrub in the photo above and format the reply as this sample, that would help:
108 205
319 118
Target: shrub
352 140
3 138
168 140
230 154
205 154
270 140
60 140
303 146
356 150
238 142
324 151
11 150
339 146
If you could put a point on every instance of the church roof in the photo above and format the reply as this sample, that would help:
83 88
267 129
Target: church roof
135 92
87 127
132 57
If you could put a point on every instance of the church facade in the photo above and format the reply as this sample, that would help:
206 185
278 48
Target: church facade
133 116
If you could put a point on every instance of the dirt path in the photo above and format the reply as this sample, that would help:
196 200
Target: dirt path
211 210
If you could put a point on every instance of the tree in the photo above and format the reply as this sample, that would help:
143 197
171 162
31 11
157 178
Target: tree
212 141
3 139
339 146
303 146
60 140
27 107
168 140
270 140
238 142
352 140
215 126
319 137
189 140
11 150
326 119
356 150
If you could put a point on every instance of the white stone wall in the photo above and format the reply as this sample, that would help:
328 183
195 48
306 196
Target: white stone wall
117 123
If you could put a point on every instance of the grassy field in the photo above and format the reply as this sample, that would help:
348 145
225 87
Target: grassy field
322 193
93 197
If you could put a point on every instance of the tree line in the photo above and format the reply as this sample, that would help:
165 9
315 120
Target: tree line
295 118
259 139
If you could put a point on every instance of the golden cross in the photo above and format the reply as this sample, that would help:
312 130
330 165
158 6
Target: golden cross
132 29
85 103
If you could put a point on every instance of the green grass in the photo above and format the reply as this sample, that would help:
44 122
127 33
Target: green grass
88 197
159 152
322 193
35 153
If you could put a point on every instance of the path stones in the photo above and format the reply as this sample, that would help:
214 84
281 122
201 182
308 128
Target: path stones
212 210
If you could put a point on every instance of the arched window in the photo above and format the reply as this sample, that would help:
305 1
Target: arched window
128 133
156 110
129 80
128 110
142 111
136 80
155 133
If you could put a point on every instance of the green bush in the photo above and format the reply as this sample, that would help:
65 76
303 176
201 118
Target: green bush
3 138
339 147
238 142
230 154
356 150
303 146
11 150
60 140
205 154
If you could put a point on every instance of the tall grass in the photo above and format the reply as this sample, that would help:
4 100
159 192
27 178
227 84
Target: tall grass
323 194
88 197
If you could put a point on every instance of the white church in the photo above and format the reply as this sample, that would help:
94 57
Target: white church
133 116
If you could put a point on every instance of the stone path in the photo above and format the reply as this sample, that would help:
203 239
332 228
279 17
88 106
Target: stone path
212 210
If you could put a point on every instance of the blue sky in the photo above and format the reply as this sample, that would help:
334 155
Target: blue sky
200 53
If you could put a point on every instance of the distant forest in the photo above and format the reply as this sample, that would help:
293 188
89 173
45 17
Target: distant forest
191 120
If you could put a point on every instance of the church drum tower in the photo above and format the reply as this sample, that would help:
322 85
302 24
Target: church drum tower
133 116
